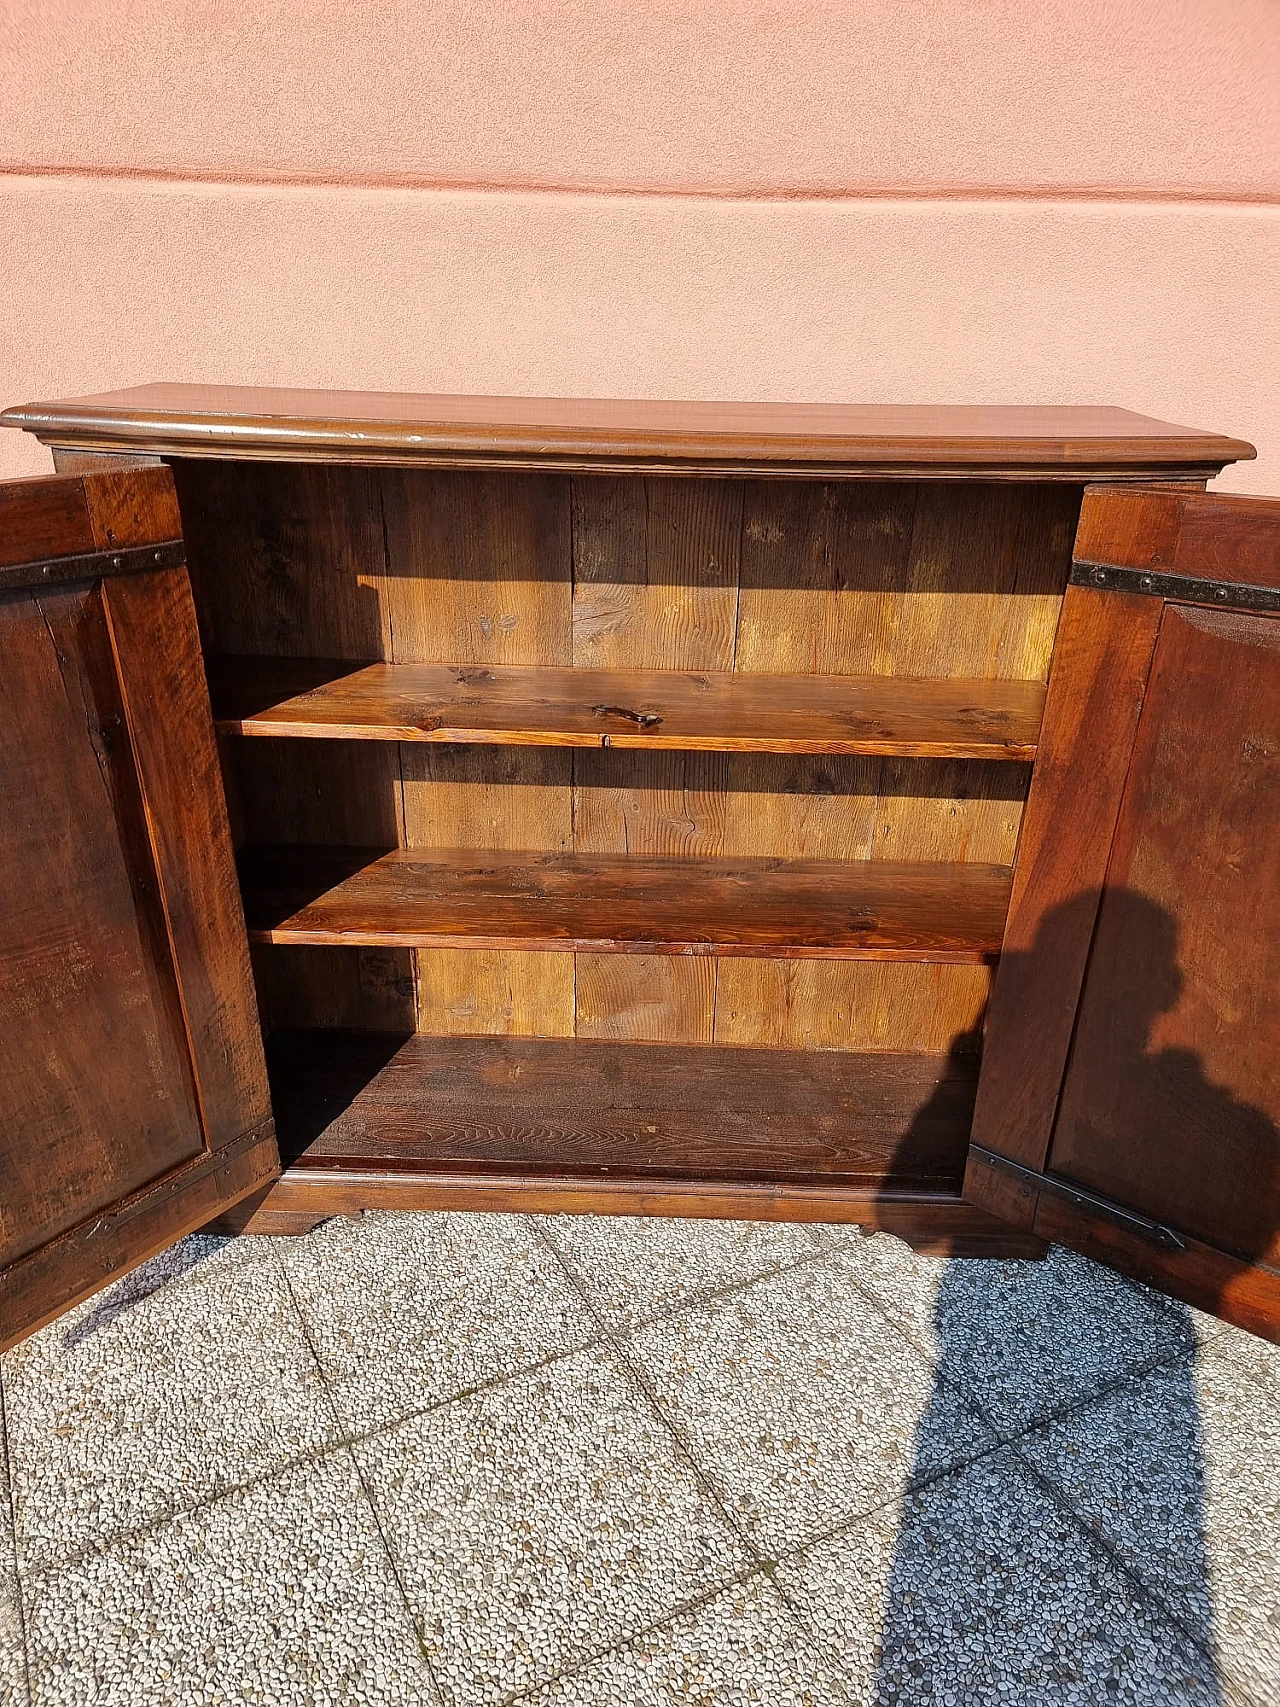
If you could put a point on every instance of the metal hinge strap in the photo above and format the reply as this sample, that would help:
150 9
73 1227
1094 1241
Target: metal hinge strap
1157 584
93 565
1153 1231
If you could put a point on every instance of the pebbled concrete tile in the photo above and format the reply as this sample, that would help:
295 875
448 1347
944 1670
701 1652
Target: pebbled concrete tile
1025 1339
740 1648
281 1594
541 1521
189 1377
634 1270
1180 1473
406 1310
801 1404
13 1665
980 1589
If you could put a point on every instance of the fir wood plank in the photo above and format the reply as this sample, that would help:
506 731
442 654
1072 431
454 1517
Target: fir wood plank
620 904
585 1107
712 711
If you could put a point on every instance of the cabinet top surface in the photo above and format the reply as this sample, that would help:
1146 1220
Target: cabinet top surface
641 434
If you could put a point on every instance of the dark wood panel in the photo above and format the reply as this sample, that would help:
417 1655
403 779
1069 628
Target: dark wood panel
1100 664
133 1095
96 1092
1171 1103
937 1223
823 909
287 562
44 518
654 709
582 1107
1210 535
1000 442
171 732
50 1279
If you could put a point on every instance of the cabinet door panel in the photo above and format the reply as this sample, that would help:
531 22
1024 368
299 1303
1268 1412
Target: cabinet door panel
1158 1150
1172 1096
133 1099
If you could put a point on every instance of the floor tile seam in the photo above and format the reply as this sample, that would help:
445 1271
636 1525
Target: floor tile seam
1096 1400
731 1289
1109 1387
354 1463
1143 1590
912 1488
682 1609
1223 1673
18 1586
666 1423
343 1440
933 1365
809 1259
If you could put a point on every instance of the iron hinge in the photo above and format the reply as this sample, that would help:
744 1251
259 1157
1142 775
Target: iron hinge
1155 1232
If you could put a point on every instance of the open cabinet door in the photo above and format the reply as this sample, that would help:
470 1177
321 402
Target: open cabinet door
133 1092
1129 1101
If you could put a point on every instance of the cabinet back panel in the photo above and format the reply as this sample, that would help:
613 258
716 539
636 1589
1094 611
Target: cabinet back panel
931 578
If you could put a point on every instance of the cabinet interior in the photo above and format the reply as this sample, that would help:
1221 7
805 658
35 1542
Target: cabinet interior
652 827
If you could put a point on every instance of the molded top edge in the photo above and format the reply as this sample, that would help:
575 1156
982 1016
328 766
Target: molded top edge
249 422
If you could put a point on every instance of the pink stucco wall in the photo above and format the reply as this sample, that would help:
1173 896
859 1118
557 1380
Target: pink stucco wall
982 200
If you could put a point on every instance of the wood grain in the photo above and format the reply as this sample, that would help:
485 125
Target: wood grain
480 575
821 909
934 1223
1001 442
1171 1102
1101 660
287 562
91 1016
1213 535
133 1094
170 730
576 1107
325 699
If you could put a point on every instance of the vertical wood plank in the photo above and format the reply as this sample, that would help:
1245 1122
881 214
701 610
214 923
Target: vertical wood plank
1101 661
656 565
480 572
157 651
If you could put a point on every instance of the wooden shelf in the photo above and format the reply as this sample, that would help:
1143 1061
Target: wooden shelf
327 699
577 1108
802 909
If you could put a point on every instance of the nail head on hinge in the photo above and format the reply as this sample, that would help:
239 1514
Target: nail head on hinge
1099 574
117 562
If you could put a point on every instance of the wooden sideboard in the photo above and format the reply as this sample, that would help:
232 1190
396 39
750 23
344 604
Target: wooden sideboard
625 808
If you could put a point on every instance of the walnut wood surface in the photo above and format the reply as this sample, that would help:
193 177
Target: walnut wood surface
576 1107
1142 929
43 518
1204 535
133 1094
994 442
816 909
1171 1101
938 1223
1100 664
646 709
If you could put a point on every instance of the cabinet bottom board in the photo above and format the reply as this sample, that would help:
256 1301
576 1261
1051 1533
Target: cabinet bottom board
380 1120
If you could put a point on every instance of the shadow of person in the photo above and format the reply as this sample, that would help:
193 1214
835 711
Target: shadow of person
1033 1565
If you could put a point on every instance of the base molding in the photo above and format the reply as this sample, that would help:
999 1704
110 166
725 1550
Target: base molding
936 1223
